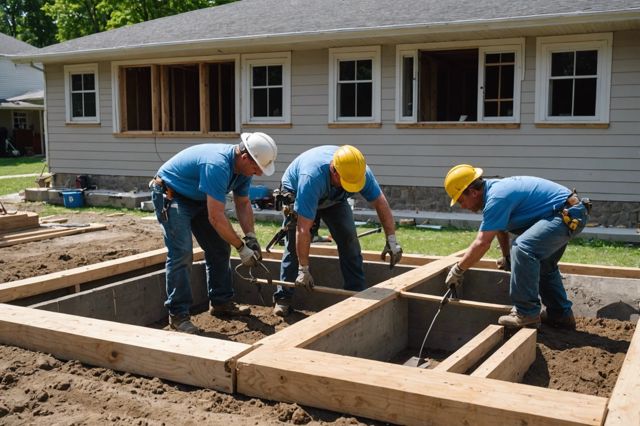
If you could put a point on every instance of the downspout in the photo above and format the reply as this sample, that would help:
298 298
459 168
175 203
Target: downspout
44 134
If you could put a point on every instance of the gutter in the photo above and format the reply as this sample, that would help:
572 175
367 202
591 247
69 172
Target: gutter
525 22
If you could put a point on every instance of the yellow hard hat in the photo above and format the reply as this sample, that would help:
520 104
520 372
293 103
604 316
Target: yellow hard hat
351 165
458 179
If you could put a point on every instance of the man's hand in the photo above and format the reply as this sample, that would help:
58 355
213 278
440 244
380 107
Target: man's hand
393 249
248 257
455 276
504 263
251 241
304 278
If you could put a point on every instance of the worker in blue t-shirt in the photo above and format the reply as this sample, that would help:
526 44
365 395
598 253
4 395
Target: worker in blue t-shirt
544 216
189 196
321 180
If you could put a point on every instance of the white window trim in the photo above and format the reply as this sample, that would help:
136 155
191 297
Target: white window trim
262 59
602 42
115 81
80 69
516 45
24 114
353 54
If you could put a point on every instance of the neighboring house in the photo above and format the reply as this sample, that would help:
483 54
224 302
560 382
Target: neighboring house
542 88
21 99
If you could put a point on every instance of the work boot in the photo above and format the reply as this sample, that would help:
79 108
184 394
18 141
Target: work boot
182 323
229 308
566 322
282 308
516 320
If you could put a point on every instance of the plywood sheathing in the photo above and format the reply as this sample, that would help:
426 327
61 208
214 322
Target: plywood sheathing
183 358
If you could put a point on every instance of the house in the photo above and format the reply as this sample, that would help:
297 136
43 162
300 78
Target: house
21 100
542 88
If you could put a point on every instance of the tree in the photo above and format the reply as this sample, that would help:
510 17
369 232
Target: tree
26 21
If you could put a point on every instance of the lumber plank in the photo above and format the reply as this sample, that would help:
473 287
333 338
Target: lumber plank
27 287
182 358
623 408
469 354
512 360
406 395
324 322
458 302
53 234
20 220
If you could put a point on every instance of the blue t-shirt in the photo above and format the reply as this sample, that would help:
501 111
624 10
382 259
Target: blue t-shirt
203 170
518 202
309 178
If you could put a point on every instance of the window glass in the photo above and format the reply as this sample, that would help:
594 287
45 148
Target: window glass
259 76
347 70
275 102
585 97
562 64
573 83
88 82
260 102
355 88
587 62
266 91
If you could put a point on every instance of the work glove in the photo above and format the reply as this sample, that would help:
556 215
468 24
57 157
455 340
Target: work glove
251 241
393 249
248 256
304 278
504 263
455 276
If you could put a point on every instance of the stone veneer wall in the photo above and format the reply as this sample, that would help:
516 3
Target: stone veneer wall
418 198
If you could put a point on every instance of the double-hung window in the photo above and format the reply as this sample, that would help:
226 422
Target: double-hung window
573 79
354 85
475 82
81 93
267 88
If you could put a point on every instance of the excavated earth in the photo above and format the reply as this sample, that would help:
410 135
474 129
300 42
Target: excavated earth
36 388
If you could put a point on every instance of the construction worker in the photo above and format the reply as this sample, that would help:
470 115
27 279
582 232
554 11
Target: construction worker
321 180
544 216
189 195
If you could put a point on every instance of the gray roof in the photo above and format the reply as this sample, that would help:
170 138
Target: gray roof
12 46
253 19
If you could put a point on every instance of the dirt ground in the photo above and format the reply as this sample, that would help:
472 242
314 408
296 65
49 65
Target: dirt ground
36 388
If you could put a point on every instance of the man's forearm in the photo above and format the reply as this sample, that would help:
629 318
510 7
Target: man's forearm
303 240
244 212
384 214
220 222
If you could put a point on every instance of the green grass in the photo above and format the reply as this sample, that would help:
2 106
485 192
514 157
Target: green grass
51 209
22 166
13 185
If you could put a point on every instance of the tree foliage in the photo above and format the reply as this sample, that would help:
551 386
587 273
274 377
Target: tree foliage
42 22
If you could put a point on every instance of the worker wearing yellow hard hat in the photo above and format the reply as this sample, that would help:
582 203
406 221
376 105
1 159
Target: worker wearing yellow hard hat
318 183
543 217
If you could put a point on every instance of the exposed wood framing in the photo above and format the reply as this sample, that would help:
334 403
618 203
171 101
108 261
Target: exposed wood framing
512 360
623 408
204 97
122 95
183 358
156 100
473 351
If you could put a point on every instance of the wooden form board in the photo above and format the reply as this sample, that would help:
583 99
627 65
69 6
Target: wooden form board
183 358
45 233
623 408
406 395
473 351
511 361
19 220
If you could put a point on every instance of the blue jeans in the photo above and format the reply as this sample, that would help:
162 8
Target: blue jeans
535 254
339 219
187 216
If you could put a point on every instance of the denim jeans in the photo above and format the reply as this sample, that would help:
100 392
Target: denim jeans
187 216
339 219
535 254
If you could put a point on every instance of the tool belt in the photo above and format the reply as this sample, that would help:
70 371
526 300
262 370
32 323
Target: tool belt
284 200
170 193
573 200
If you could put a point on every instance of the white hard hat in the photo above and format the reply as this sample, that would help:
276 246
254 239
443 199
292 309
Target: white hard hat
262 149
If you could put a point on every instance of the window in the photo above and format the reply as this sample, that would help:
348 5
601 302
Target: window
354 85
19 120
573 78
81 93
266 89
198 97
459 82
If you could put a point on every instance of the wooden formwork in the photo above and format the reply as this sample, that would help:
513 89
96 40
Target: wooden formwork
335 359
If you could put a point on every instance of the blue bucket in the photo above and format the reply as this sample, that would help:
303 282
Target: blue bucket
73 199
258 192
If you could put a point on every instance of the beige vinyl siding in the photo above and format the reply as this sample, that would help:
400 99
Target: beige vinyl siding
601 163
18 79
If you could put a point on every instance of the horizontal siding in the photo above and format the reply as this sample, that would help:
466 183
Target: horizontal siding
18 79
602 163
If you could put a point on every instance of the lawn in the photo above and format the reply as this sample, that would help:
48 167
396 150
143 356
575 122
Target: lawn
22 166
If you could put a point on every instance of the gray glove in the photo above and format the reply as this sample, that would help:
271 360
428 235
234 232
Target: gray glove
304 278
455 276
504 263
248 257
393 249
251 241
